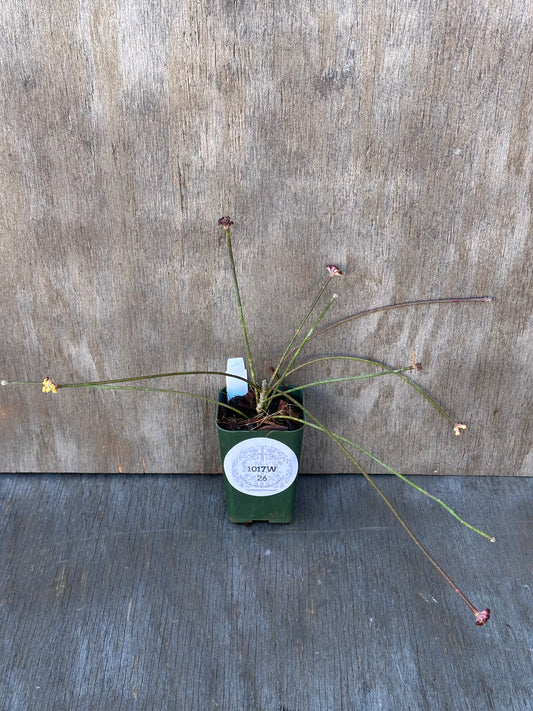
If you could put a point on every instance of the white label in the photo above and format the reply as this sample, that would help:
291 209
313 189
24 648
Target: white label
234 386
260 466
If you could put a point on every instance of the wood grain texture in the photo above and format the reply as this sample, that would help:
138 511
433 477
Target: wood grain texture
394 139
120 592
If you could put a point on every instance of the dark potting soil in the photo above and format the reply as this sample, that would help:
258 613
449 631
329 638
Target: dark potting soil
280 409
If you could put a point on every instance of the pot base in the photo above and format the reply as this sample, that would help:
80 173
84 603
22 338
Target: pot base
243 508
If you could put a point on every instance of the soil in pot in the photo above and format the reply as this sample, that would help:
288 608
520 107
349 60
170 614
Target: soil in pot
279 409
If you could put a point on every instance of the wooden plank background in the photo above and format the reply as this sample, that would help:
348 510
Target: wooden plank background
392 138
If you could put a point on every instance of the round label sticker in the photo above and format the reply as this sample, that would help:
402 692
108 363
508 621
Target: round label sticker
261 466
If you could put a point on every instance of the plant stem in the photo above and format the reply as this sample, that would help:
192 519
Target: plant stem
313 328
136 378
417 302
481 618
239 304
406 528
115 384
168 390
370 361
348 378
399 475
298 330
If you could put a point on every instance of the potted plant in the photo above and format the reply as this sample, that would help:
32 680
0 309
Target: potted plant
260 422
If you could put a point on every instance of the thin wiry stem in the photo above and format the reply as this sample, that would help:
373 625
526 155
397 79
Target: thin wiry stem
309 334
146 377
116 384
300 326
387 307
239 304
399 475
169 390
348 378
481 617
370 361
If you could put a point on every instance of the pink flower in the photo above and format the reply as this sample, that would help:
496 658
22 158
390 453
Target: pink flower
333 270
482 617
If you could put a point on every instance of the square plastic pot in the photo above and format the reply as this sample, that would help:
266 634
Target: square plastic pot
260 471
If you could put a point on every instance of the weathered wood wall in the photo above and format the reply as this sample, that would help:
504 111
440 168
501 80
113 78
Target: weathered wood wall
392 138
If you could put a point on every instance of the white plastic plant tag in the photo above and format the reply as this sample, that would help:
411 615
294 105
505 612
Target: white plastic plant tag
260 466
234 386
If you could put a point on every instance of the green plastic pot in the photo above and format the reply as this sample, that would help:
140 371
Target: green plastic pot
260 470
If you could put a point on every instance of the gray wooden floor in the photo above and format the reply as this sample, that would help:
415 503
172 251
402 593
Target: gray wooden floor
133 592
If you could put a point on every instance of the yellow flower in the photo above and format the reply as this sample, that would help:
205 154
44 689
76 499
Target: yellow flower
49 386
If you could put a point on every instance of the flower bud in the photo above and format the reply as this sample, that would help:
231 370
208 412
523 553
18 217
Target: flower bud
482 617
49 386
225 222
